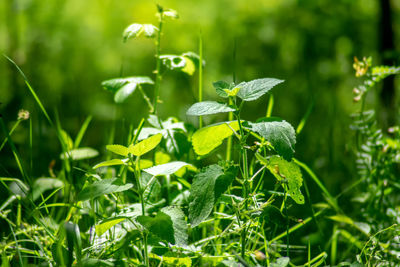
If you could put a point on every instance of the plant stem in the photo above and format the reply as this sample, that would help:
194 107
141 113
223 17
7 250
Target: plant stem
245 174
158 66
140 192
200 76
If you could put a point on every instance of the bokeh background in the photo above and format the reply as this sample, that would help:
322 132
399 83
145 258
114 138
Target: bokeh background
67 48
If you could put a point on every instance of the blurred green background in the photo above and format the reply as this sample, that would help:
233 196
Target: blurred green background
67 48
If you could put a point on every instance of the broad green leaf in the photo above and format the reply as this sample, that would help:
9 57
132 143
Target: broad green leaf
145 146
166 169
41 185
280 134
118 149
80 153
207 187
207 108
254 89
161 225
107 224
287 173
103 187
208 138
179 224
173 261
112 162
124 87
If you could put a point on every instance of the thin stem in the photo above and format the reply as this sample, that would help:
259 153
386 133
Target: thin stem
245 174
158 66
229 143
136 167
200 76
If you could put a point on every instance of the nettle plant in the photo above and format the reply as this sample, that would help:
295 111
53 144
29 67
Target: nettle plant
154 201
209 214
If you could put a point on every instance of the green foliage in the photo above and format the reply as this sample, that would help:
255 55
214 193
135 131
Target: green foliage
207 187
103 187
279 133
158 203
252 90
287 173
208 138
124 87
208 108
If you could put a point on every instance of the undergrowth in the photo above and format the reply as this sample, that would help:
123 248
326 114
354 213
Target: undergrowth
156 200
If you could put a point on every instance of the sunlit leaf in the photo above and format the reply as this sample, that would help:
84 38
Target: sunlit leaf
124 87
166 169
118 149
107 224
288 173
208 138
207 108
145 146
254 89
112 162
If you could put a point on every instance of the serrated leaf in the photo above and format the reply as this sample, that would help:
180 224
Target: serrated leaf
103 187
124 87
80 153
106 225
287 173
145 145
112 162
254 89
161 225
178 223
118 149
280 134
207 187
208 138
207 108
166 169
